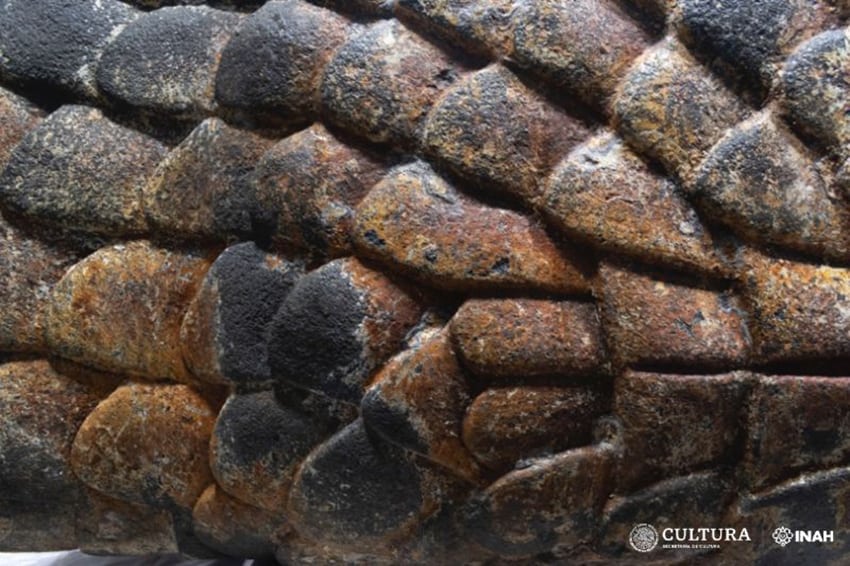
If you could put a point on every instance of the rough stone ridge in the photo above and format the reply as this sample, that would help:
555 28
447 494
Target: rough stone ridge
424 281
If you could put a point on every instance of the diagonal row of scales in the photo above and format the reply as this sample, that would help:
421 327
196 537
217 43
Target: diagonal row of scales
426 281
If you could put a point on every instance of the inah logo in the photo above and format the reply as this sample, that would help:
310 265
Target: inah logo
643 537
782 535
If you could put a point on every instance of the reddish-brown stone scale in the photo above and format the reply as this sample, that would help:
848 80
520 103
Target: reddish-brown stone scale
503 338
584 46
418 402
798 312
673 109
231 527
29 268
309 184
147 444
547 503
506 425
467 130
604 194
673 424
416 221
121 308
381 84
657 320
17 117
796 424
201 189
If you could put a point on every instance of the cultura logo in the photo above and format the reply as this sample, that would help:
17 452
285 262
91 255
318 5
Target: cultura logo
782 535
643 537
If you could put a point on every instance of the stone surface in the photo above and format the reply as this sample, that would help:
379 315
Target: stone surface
337 326
507 425
223 335
551 502
380 84
415 221
370 8
605 195
40 412
672 109
528 337
467 131
751 37
482 28
357 494
56 43
816 87
80 171
110 526
418 401
17 117
41 525
231 527
674 424
656 319
201 189
811 502
259 442
120 309
276 57
696 499
309 184
166 60
798 311
795 424
147 444
759 181
28 270
584 46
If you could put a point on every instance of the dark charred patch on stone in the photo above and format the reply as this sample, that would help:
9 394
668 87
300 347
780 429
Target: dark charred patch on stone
381 84
166 60
314 337
257 445
354 492
749 36
56 43
418 401
80 171
275 59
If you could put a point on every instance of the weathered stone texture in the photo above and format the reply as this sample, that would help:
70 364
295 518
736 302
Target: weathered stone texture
201 190
338 325
309 185
80 171
528 337
17 117
415 220
223 335
147 444
121 308
166 60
